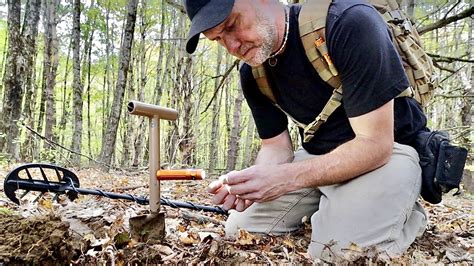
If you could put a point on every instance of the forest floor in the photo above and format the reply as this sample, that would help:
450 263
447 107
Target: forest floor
96 230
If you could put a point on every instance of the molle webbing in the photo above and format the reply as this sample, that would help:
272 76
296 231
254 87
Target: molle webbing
312 23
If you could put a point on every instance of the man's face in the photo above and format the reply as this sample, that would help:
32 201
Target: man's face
249 33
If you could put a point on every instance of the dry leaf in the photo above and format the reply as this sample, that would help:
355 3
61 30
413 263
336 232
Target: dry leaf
46 203
190 238
288 242
246 238
181 228
162 249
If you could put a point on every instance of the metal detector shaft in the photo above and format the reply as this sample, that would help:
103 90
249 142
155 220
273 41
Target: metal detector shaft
63 187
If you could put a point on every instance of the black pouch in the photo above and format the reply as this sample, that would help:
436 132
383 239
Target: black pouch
442 164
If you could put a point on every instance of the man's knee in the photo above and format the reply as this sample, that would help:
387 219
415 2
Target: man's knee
279 216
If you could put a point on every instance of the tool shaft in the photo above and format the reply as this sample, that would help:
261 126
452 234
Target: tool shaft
63 187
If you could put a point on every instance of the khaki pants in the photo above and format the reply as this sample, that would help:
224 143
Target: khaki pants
378 210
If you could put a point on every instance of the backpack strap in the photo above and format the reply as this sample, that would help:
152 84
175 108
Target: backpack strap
312 27
258 73
331 106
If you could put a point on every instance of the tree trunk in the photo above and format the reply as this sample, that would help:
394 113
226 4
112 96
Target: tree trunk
467 120
213 149
2 67
142 78
247 152
12 80
51 66
235 133
29 147
86 64
23 48
65 97
108 143
188 142
175 57
127 119
106 86
160 73
77 84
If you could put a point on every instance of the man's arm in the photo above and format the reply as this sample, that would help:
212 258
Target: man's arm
370 149
276 150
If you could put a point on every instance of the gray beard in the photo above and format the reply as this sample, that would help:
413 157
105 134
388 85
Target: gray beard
268 31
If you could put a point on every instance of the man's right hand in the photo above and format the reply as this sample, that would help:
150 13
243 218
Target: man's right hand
222 196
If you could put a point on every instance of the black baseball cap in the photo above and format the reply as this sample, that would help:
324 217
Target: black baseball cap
204 15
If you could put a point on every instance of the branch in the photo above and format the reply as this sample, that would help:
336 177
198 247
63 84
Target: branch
226 74
435 63
176 5
449 59
443 22
53 143
451 9
453 96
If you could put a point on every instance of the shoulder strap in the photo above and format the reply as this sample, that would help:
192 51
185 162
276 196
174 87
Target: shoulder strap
312 27
260 77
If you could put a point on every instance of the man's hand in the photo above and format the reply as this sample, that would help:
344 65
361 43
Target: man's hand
239 189
222 196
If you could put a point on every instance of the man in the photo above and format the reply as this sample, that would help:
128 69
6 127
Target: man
357 178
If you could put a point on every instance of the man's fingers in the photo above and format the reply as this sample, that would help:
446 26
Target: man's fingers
242 188
236 177
214 186
220 195
224 179
252 196
229 202
240 205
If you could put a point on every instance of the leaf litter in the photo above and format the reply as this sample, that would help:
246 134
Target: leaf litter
96 230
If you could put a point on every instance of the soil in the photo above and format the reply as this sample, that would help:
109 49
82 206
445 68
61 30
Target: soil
44 239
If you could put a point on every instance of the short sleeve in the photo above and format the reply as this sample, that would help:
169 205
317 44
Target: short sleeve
370 67
269 120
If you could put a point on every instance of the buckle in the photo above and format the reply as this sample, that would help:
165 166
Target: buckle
397 16
406 26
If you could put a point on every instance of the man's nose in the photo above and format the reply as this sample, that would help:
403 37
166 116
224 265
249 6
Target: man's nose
232 44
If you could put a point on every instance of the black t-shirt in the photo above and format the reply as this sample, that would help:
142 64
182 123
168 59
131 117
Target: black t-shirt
370 69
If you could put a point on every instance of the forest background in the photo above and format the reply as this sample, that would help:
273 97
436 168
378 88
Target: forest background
69 68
